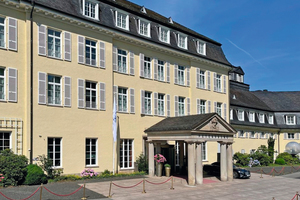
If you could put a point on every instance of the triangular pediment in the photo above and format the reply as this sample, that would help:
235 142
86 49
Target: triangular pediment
215 124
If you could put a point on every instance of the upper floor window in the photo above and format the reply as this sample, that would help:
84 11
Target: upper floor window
202 106
122 61
181 75
54 90
144 28
90 9
290 119
218 83
201 47
164 34
54 43
202 79
271 119
9 33
251 116
147 67
182 41
91 94
122 99
2 84
252 134
181 106
262 135
2 32
241 115
122 20
160 70
219 109
261 118
161 104
241 134
291 136
90 52
148 103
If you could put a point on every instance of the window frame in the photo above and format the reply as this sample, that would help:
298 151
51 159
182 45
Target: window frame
122 13
147 67
123 95
199 49
96 9
4 83
182 41
148 103
241 134
54 151
231 114
291 136
271 119
181 106
120 62
90 150
161 103
252 132
4 32
54 39
202 79
241 118
204 152
160 70
90 96
202 106
161 37
148 24
3 140
128 155
261 120
219 109
218 83
91 48
54 90
251 119
289 122
181 75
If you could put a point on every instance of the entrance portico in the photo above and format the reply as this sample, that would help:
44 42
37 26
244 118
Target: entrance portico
194 131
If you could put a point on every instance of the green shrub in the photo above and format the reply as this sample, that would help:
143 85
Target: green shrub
35 175
262 157
288 158
241 159
47 165
280 161
142 163
13 168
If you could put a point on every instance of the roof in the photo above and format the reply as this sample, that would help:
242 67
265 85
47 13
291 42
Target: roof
237 70
73 8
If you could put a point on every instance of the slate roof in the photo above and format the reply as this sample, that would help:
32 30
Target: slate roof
237 70
180 123
73 8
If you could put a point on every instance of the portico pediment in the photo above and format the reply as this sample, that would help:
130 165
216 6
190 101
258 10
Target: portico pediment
214 124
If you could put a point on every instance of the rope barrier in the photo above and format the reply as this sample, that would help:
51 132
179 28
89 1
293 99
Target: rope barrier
268 173
127 186
295 168
158 183
63 195
280 171
21 199
294 196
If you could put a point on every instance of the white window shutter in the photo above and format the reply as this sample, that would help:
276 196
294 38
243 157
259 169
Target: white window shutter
187 76
215 81
142 56
188 106
81 48
68 91
68 46
176 106
285 136
198 78
215 107
168 105
81 93
115 58
12 34
12 85
198 106
175 73
155 68
208 80
102 96
131 54
116 96
102 54
42 39
132 108
142 101
224 84
209 106
155 103
42 88
168 72
225 111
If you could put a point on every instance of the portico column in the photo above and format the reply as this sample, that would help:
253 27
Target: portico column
191 163
151 159
199 167
223 162
229 162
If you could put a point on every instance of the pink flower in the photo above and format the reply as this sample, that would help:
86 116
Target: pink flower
159 158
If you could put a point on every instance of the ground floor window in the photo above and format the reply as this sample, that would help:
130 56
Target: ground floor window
126 153
4 141
54 151
90 152
204 151
291 135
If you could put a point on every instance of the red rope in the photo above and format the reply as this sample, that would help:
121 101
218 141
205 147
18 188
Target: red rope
294 196
270 172
21 199
297 168
280 171
127 186
255 171
158 183
64 195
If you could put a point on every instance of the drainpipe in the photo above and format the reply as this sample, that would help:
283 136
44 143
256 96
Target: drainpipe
31 82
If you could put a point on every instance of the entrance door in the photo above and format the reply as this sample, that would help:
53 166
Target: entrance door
168 152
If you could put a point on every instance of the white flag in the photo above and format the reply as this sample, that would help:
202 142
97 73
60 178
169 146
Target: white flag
115 121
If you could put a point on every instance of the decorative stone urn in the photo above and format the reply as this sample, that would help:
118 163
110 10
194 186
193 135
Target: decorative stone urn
168 171
159 167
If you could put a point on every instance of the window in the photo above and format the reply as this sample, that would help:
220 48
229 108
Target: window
241 134
2 84
54 43
148 104
204 151
122 61
252 134
243 151
251 117
202 106
219 109
2 32
90 152
291 135
181 76
54 151
262 135
126 154
144 28
241 115
218 83
5 141
261 118
182 41
147 67
272 135
181 106
231 114
290 120
122 99
201 47
54 90
161 104
271 119
122 20
202 79
164 34
90 9
90 94
90 52
160 71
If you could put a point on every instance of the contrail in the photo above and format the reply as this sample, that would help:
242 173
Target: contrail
246 53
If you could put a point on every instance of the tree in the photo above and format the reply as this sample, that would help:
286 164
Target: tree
271 142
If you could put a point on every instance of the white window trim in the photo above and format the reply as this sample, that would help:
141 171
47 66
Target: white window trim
97 94
204 77
132 154
168 34
239 135
271 117
4 82
253 113
219 108
184 107
148 63
185 40
127 19
96 164
219 83
204 47
10 138
263 118
126 56
126 99
5 33
96 9
61 43
90 47
250 134
61 151
47 90
148 27
164 69
205 143
164 104
146 100
178 74
242 117
294 120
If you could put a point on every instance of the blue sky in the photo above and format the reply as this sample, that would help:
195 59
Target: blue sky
261 36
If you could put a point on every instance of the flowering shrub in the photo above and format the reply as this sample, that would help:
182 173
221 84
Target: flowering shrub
159 158
88 173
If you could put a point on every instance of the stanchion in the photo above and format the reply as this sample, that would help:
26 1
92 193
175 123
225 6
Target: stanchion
273 174
172 183
144 191
109 193
41 192
84 198
297 195
261 173
291 168
273 198
283 171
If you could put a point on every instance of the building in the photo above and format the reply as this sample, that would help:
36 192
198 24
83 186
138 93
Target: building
57 99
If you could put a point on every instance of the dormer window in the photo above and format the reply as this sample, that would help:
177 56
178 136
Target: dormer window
261 118
251 117
201 47
182 41
144 28
290 120
271 119
241 115
164 34
122 20
90 9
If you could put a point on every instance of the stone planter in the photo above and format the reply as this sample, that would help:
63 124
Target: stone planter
168 171
159 167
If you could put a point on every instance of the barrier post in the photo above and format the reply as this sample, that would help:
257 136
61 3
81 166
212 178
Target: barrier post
84 198
297 195
261 173
172 183
144 191
273 174
41 192
291 168
283 171
109 193
273 198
